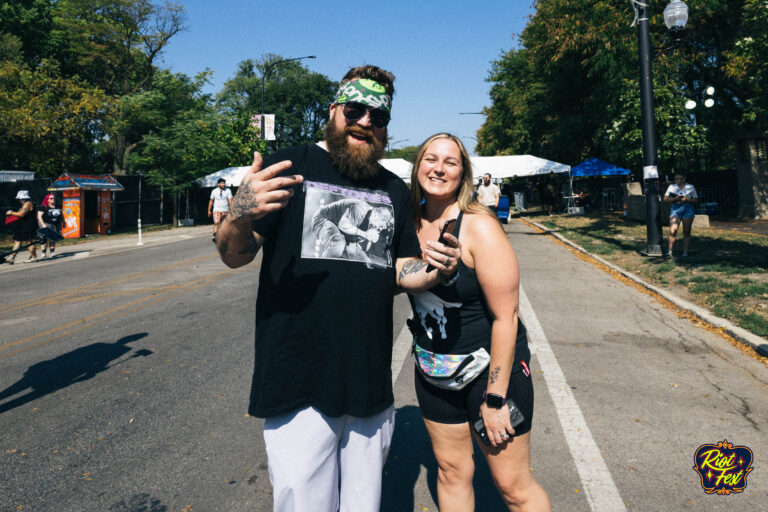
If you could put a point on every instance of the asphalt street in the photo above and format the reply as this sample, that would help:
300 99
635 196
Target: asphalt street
124 375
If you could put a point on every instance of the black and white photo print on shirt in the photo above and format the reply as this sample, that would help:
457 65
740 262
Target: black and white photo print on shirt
343 223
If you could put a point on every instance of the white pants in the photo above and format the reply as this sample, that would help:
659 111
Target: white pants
318 463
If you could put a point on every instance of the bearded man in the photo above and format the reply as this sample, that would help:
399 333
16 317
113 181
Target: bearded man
338 241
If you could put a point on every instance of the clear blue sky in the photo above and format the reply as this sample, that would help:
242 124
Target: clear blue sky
440 52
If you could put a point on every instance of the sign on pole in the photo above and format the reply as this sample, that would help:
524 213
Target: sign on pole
269 125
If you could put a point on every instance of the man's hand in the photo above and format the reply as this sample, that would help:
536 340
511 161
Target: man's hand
261 191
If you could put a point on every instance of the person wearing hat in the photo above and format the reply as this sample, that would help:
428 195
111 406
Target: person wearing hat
26 227
218 206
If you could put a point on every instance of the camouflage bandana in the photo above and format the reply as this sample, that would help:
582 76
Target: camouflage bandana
365 91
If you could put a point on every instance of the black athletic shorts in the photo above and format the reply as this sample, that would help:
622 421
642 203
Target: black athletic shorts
446 406
25 236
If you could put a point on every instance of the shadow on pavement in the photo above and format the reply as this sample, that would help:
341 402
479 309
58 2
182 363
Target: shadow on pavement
79 365
139 503
411 450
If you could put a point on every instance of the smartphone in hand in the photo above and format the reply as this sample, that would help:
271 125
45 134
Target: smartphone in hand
448 224
515 418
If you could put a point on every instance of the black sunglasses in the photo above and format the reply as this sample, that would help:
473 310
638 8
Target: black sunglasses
354 111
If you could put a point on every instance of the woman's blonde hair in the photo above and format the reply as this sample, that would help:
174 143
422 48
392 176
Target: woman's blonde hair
466 194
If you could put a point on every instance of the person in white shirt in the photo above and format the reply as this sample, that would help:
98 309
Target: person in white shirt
683 197
218 206
488 193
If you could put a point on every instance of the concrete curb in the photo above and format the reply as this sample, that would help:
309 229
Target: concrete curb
759 344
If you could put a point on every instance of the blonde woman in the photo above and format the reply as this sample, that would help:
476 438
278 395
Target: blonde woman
475 313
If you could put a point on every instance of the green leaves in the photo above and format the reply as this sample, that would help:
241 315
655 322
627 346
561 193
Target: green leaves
569 89
299 98
46 117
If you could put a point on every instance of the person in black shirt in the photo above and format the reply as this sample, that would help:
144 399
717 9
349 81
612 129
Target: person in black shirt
49 216
338 241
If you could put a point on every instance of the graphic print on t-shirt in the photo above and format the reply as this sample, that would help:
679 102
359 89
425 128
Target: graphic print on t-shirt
344 223
428 304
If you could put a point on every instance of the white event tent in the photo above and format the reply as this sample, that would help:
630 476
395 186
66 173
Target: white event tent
234 175
509 166
499 167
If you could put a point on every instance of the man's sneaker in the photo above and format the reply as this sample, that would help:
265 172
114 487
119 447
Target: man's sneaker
32 259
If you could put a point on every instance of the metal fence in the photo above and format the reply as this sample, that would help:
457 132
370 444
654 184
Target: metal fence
611 199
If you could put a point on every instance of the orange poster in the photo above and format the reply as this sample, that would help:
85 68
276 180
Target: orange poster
72 220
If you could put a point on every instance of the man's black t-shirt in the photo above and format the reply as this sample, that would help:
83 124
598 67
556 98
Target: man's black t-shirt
326 288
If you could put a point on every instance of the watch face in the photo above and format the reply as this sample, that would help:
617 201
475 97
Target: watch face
494 401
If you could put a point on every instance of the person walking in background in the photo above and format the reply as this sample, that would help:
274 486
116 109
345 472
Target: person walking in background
26 227
218 206
338 240
49 216
488 193
683 198
473 316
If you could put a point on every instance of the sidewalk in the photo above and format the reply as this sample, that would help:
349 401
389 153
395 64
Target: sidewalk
760 227
83 247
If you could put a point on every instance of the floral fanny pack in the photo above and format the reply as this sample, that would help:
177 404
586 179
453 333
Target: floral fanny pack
449 371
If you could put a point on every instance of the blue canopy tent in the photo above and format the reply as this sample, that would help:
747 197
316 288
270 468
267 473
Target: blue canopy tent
597 167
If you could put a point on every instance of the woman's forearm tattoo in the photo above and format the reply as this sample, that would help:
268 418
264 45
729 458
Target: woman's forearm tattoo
412 267
495 374
244 201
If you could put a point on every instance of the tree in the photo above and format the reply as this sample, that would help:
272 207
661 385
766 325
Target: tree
406 153
47 122
568 90
184 139
113 44
30 22
298 98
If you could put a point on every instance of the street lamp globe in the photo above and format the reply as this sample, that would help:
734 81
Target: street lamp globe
690 104
709 102
676 15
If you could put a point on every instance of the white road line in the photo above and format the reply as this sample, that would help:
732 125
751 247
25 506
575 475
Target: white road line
599 488
400 351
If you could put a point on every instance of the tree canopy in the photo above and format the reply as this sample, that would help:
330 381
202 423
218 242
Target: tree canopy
81 90
569 89
298 98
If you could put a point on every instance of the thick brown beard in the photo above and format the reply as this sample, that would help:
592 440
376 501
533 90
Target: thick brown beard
357 162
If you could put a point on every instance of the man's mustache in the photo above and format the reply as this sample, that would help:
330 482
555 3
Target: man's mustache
358 131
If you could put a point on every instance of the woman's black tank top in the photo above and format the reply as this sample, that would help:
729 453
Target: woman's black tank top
456 318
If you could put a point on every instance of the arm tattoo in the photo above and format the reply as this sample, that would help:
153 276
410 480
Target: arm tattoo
412 267
252 248
495 374
244 201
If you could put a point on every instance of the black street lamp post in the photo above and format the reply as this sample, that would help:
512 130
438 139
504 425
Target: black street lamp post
267 67
675 16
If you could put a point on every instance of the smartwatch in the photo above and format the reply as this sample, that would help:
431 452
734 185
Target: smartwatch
493 400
